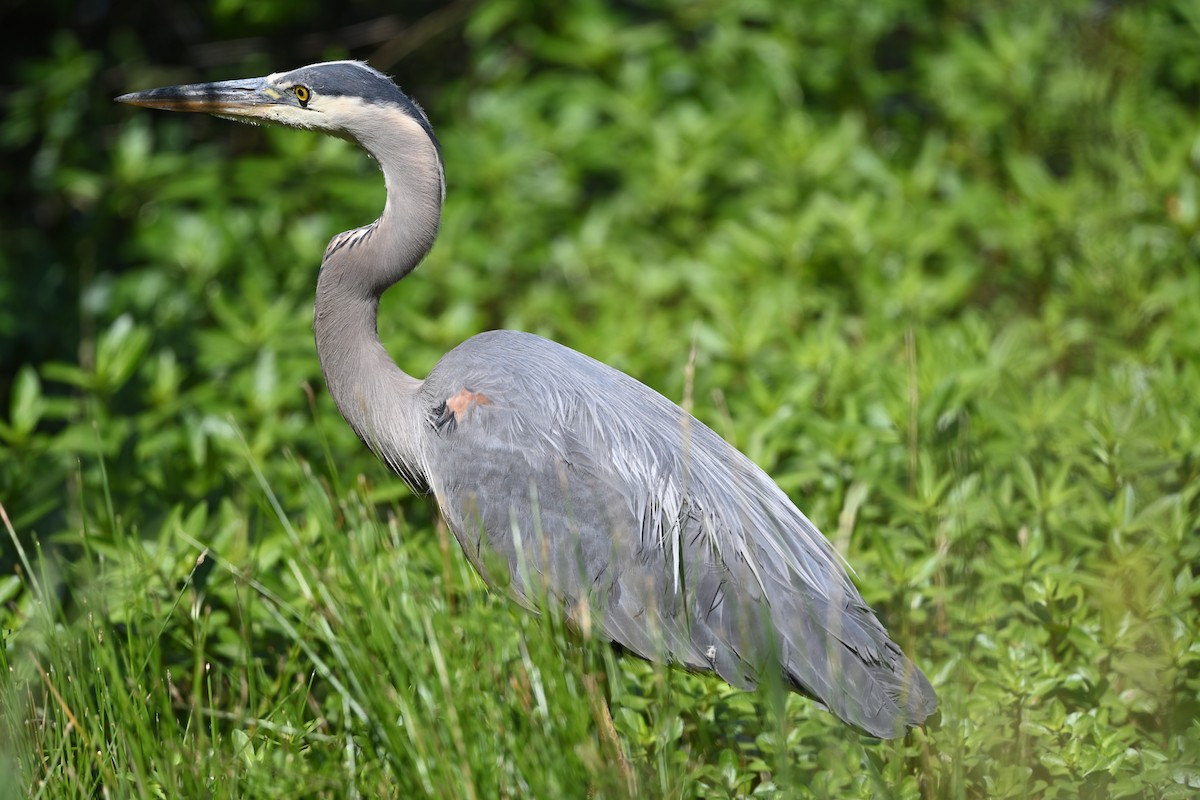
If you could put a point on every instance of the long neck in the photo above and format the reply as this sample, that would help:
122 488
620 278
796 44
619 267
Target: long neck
376 397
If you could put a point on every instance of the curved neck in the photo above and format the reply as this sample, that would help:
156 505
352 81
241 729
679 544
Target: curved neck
375 396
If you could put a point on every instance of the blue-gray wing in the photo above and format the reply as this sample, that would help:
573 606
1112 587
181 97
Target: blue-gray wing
646 526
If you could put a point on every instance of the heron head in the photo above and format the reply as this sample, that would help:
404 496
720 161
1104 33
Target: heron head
344 98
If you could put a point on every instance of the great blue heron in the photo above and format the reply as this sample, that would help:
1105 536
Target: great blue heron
598 492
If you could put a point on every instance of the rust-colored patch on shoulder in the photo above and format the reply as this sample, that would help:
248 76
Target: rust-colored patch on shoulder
459 404
454 408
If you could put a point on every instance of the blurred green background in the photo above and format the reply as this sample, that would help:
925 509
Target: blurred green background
932 265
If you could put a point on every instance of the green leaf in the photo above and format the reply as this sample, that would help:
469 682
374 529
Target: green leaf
118 353
27 405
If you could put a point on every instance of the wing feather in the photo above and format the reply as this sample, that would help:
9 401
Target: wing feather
603 495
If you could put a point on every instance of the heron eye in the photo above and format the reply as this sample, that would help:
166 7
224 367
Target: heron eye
302 94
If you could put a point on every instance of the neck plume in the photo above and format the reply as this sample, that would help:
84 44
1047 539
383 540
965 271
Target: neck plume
377 399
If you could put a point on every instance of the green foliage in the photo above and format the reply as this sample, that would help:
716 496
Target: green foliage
935 269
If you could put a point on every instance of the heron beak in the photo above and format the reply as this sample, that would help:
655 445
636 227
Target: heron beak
247 97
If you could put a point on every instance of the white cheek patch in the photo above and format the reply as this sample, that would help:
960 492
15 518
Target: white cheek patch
292 117
339 106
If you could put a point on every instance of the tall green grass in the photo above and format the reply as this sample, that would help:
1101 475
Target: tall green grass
359 660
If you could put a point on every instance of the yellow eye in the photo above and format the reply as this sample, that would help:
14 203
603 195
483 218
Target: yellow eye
302 94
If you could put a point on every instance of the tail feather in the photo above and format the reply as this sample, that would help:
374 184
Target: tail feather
842 655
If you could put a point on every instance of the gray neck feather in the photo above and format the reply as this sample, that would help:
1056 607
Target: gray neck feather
375 396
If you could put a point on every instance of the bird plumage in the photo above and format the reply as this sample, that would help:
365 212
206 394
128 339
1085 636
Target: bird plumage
651 529
589 489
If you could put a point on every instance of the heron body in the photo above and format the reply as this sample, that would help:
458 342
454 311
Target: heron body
593 490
